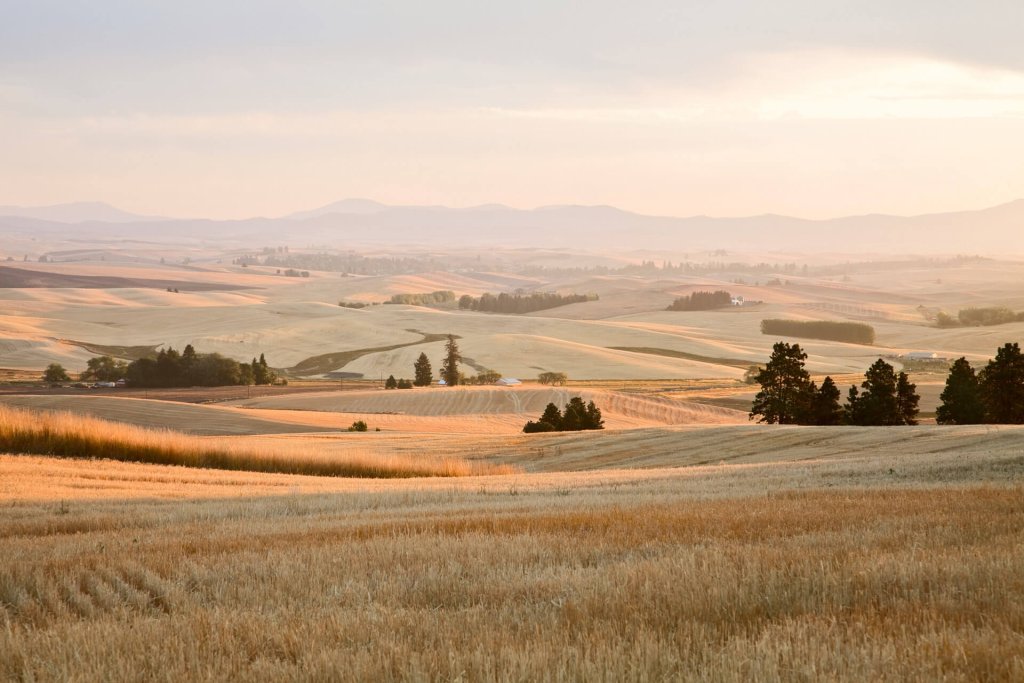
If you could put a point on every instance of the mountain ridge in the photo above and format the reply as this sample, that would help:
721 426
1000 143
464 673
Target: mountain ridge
997 229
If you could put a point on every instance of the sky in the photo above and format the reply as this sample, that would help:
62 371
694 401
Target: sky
813 108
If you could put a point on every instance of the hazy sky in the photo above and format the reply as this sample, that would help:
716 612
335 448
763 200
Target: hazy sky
725 107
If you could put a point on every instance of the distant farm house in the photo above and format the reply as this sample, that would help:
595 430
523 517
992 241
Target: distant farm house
507 382
737 301
922 355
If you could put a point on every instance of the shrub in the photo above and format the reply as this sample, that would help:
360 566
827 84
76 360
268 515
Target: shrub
577 416
55 372
358 426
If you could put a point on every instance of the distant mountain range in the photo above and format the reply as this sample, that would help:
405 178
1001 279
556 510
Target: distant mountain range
355 222
76 212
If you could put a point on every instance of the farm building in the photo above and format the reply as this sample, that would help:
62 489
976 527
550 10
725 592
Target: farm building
507 382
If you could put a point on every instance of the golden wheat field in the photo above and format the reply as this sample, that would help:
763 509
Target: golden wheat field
808 562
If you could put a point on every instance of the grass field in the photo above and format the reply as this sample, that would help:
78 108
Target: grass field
74 436
830 569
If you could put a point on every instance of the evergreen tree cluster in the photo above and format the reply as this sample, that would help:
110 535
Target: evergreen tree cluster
577 416
423 373
995 395
393 383
789 396
170 368
828 330
702 301
521 303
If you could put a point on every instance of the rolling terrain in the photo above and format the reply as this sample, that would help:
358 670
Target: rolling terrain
624 335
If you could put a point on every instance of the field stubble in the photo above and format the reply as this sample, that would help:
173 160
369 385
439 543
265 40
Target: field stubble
868 568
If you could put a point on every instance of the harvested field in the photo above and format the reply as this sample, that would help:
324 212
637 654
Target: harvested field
20 278
203 420
620 410
682 446
759 572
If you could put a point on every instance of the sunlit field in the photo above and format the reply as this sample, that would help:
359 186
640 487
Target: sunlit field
869 567
74 436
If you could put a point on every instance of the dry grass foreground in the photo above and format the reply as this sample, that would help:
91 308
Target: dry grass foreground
826 570
75 436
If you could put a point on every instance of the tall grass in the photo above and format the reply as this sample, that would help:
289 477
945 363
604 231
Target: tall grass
74 436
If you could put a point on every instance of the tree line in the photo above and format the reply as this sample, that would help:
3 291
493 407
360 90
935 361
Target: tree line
995 395
701 301
521 303
423 371
979 317
829 330
577 416
789 396
423 299
169 368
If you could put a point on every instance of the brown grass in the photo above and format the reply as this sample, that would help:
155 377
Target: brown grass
634 583
74 436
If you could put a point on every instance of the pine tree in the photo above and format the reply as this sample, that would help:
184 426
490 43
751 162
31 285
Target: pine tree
1002 386
594 419
450 367
877 404
262 374
574 417
825 407
423 373
552 416
784 387
851 411
907 399
391 382
961 399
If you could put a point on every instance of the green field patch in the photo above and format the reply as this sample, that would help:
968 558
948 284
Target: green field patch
669 353
123 352
328 362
